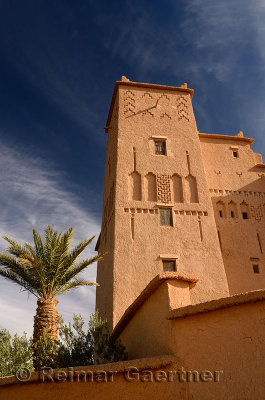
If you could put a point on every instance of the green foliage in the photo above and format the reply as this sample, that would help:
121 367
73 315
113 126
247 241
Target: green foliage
15 353
77 346
48 268
45 352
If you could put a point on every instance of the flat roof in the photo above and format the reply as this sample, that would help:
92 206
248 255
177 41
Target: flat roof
226 137
218 304
142 85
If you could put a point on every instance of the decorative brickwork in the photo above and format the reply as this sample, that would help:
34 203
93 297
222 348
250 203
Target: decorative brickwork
146 94
148 113
220 192
192 212
182 108
165 115
163 96
256 212
155 211
129 103
163 188
141 210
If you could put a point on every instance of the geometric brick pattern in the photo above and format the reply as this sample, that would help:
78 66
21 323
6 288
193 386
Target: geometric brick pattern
129 103
182 108
165 115
163 188
256 212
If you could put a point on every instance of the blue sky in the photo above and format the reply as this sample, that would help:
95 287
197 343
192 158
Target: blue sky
58 64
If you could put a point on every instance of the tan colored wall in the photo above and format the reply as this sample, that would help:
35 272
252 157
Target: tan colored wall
104 293
229 339
118 389
237 180
149 332
144 113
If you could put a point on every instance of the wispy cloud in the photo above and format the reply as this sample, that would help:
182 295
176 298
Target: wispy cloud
209 37
33 194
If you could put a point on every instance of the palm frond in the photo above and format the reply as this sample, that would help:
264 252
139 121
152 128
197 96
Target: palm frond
21 271
58 259
16 249
74 284
11 276
76 269
48 267
77 250
39 248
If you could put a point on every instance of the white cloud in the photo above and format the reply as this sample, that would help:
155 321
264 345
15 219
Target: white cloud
33 195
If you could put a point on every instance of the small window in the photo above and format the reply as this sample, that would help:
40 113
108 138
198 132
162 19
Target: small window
235 153
220 213
245 215
160 147
169 265
255 268
166 216
232 214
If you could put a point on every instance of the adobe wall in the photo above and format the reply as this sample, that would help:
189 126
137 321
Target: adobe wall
104 292
222 335
237 184
146 182
135 384
231 340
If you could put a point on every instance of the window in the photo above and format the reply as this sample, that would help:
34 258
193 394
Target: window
235 153
169 265
221 209
166 216
160 147
245 210
232 214
255 268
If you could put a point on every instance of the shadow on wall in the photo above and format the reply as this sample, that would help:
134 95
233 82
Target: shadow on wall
240 221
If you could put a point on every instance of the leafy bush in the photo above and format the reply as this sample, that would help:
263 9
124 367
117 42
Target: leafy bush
77 347
15 353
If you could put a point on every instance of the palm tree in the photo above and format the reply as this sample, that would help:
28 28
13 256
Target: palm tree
46 270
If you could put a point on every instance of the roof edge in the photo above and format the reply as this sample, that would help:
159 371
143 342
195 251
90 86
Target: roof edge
225 137
119 367
260 165
140 84
147 292
218 304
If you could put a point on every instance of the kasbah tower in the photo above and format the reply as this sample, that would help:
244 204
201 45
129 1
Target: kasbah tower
176 200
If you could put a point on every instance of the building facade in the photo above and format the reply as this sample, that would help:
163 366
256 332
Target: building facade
176 200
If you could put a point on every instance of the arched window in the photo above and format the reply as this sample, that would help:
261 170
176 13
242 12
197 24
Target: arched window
191 189
221 209
177 188
232 209
150 187
135 189
245 210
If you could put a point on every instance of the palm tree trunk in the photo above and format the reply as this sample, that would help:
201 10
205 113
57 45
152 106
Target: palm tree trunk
46 320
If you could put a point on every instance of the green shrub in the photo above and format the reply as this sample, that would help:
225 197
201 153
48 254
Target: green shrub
15 353
78 347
